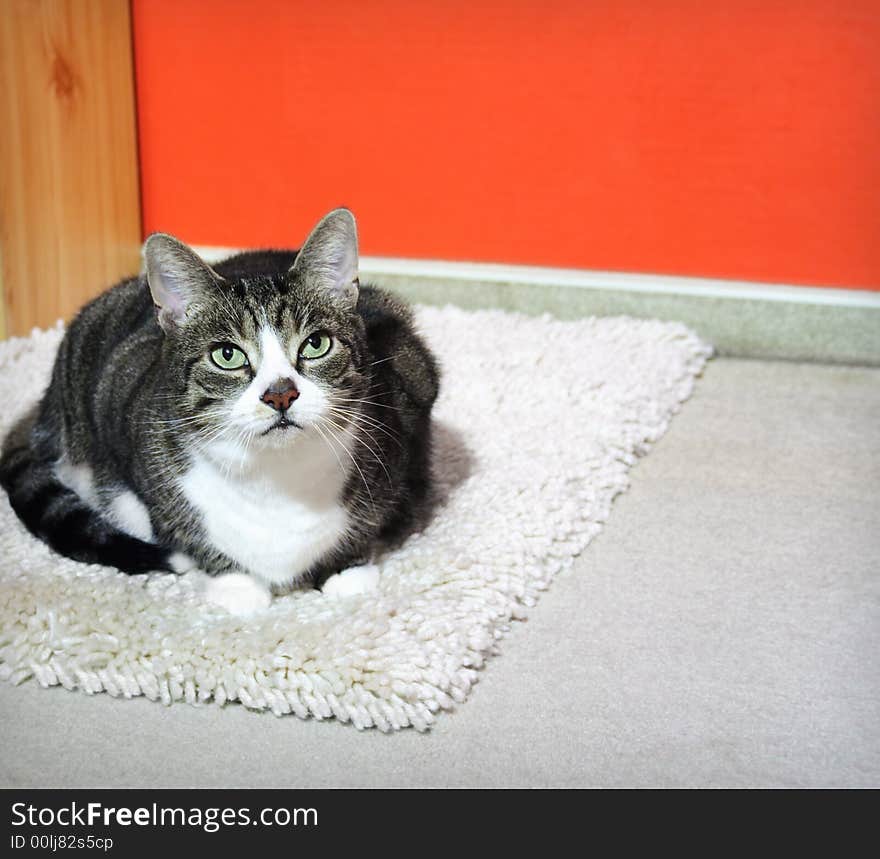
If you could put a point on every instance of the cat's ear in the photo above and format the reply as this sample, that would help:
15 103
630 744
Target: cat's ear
329 257
178 278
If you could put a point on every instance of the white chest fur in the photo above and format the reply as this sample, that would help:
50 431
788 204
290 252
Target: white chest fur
276 513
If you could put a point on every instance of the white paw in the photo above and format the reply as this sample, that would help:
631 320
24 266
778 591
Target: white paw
354 580
239 593
181 563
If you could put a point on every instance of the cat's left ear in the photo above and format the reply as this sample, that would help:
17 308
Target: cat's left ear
179 279
329 257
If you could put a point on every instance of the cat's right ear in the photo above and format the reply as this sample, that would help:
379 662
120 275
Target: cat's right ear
178 278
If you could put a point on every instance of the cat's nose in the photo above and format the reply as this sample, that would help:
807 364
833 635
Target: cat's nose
280 394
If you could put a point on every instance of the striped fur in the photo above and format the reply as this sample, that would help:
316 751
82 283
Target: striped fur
134 398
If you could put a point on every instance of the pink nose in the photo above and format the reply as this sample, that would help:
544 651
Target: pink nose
280 395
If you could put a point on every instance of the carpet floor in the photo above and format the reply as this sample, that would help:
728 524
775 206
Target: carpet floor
723 629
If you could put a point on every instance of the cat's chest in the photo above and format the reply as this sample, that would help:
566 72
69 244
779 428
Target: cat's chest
275 520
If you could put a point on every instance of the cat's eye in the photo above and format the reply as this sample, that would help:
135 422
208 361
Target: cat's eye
228 357
316 345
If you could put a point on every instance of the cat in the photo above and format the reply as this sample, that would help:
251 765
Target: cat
266 421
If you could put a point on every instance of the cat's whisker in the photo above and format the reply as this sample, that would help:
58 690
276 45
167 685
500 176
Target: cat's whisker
213 434
243 439
332 450
189 418
359 412
367 402
361 419
187 423
351 456
383 360
357 437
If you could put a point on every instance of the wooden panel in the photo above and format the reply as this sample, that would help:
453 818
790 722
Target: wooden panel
734 139
69 201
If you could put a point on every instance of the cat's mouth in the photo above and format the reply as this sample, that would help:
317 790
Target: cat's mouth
283 424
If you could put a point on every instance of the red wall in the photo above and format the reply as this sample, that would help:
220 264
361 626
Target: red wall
737 139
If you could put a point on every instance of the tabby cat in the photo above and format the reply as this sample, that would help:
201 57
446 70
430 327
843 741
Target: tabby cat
266 421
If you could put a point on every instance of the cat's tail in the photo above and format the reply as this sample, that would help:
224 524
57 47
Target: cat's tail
59 516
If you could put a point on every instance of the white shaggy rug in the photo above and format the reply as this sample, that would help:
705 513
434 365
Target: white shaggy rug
537 424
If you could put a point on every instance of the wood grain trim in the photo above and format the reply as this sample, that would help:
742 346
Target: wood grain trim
69 198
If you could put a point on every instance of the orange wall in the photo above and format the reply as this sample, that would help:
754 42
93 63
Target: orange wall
732 139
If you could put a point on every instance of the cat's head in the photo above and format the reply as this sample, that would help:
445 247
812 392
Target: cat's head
261 359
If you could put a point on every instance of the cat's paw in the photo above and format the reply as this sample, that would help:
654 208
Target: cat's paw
181 563
354 580
239 593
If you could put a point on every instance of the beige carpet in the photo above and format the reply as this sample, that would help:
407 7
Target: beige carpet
722 630
537 425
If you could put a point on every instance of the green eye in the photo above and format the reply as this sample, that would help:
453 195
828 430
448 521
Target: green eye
316 345
229 357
